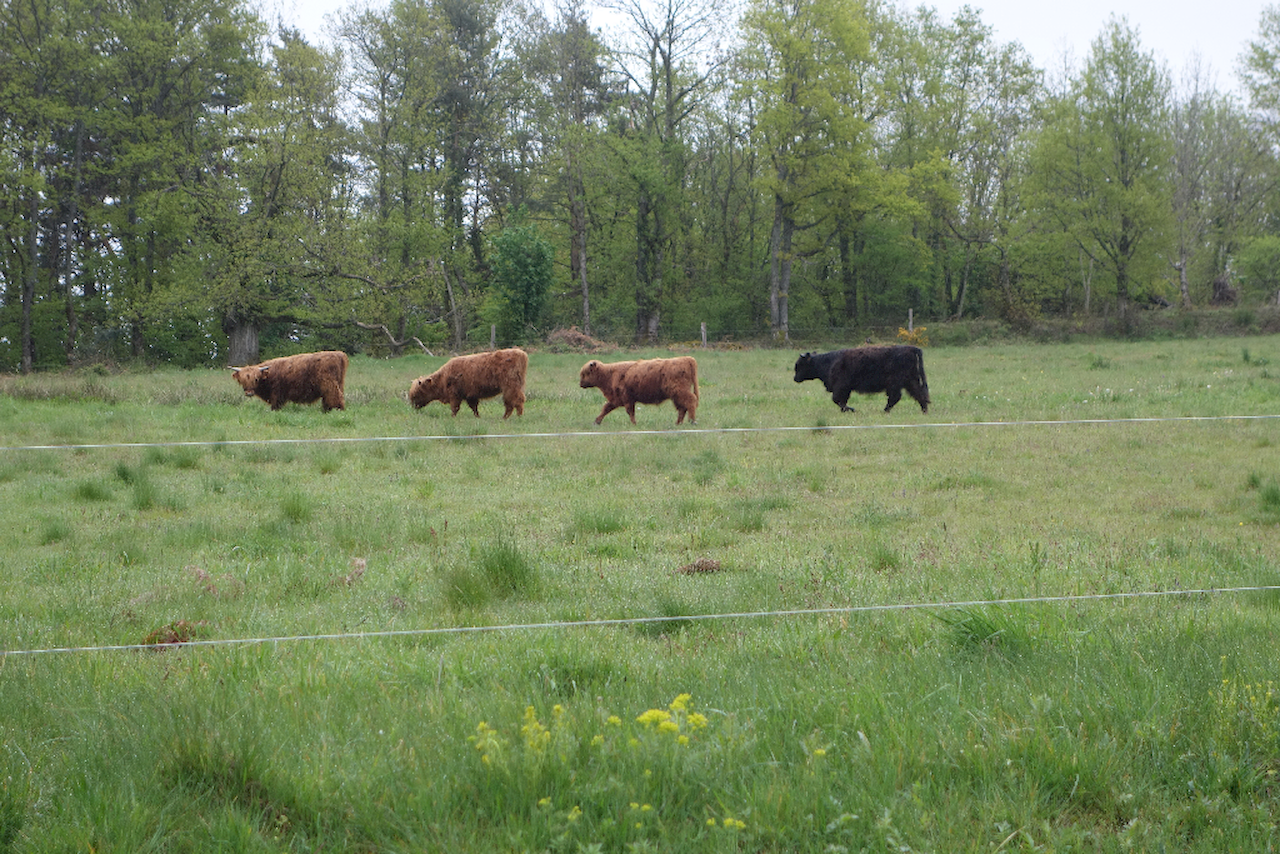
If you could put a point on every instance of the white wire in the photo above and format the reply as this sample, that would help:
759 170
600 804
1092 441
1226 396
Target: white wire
637 620
627 621
680 432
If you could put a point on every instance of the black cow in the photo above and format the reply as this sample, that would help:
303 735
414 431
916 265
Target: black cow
868 370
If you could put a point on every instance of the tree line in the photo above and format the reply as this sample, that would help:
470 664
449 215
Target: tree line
185 181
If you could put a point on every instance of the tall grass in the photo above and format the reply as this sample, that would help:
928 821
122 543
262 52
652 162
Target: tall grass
1143 724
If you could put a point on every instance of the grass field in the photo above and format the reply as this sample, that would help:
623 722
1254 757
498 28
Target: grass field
427 633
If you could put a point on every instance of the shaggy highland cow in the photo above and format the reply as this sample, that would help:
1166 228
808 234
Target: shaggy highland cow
473 379
868 370
304 378
624 384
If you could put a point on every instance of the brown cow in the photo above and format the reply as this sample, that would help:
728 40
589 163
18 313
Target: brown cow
473 379
624 384
304 378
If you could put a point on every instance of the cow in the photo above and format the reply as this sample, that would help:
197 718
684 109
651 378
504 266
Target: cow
868 370
624 384
304 378
475 378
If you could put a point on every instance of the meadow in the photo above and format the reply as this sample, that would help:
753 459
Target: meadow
784 628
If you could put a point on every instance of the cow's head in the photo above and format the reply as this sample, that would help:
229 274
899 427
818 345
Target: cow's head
423 390
248 378
589 376
806 368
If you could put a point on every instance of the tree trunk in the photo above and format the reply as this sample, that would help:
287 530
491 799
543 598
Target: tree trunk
242 342
1183 286
964 282
29 283
454 312
72 217
648 263
847 277
780 269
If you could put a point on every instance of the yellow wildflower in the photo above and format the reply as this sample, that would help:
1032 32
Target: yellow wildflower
536 736
654 716
680 703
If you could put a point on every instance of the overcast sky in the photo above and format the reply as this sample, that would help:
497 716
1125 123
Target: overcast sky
1174 30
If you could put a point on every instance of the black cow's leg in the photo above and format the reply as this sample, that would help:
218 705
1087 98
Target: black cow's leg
895 395
841 399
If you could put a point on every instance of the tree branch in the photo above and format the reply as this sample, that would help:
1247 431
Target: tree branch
382 326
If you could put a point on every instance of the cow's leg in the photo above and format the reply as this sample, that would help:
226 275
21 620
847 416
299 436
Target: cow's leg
841 399
921 397
608 407
631 411
474 403
455 406
895 395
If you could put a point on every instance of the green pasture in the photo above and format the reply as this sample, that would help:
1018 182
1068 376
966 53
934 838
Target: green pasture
425 633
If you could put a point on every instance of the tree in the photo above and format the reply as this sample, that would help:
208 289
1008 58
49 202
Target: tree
668 69
577 91
1101 163
815 142
48 91
1259 68
268 203
520 281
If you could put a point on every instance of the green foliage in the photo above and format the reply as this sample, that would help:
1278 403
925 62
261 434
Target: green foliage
518 286
1099 163
1259 267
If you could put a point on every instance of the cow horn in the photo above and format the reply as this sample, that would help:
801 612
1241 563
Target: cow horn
263 369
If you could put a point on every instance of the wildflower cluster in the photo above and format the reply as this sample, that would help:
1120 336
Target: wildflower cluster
489 742
675 719
1248 712
914 336
623 766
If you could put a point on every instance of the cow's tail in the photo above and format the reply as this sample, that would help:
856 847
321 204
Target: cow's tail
696 393
924 383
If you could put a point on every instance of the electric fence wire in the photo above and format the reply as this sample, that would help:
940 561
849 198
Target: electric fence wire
581 624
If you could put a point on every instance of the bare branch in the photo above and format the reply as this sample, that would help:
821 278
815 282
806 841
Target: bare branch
382 326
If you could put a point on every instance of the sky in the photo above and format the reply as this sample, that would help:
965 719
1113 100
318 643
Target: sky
1174 30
